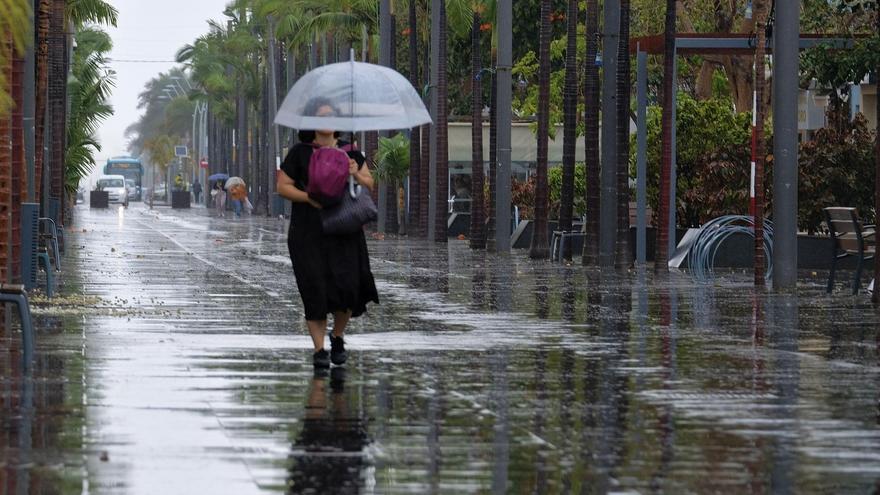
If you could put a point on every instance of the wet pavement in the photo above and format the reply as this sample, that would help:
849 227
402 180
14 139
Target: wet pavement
176 361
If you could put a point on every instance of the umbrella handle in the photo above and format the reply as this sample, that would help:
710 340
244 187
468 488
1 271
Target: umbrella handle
353 187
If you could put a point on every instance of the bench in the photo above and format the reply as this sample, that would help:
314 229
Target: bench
848 238
16 294
51 237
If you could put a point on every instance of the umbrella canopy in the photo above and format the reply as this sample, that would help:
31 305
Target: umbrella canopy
233 181
364 97
218 177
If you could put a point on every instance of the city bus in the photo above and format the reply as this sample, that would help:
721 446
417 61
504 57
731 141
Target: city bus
131 169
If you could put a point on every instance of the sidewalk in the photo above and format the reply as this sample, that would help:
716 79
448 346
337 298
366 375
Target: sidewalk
180 365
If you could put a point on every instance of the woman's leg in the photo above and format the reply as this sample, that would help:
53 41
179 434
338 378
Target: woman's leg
340 321
317 329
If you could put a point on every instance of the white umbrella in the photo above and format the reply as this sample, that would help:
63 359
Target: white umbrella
364 97
232 181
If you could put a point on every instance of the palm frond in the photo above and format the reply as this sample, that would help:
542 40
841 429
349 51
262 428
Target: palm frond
82 12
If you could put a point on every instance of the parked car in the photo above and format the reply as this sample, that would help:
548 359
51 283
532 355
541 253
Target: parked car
115 187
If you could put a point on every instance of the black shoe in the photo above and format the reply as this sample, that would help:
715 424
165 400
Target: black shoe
337 350
321 359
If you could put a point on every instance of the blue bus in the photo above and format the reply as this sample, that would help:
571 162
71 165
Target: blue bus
131 169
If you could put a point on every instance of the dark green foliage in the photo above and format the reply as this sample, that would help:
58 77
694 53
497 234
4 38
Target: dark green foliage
713 160
836 169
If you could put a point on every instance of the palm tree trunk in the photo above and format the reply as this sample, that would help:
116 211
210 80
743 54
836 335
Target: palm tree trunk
591 123
5 162
478 223
493 161
415 169
58 99
875 297
240 133
442 179
18 183
540 248
661 260
424 178
391 223
760 83
42 81
570 97
371 146
623 258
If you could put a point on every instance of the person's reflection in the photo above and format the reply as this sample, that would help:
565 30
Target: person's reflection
329 454
542 298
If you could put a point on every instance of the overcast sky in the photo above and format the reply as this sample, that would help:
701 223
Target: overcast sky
148 31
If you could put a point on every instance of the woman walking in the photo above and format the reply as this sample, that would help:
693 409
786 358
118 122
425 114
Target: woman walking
219 196
238 193
332 271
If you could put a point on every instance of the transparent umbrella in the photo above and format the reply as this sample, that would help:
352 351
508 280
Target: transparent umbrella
352 96
232 181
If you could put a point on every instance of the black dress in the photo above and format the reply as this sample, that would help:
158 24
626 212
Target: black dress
332 271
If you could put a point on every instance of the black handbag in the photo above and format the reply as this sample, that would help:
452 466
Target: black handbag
354 211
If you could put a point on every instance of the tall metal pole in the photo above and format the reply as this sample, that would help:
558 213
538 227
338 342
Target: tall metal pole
785 144
432 167
672 222
503 99
608 174
385 35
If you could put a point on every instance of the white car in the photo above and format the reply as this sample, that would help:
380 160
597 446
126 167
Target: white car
115 187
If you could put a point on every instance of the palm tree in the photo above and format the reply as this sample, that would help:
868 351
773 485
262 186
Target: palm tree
14 28
460 17
5 157
392 221
478 223
624 86
18 185
61 12
82 12
570 97
661 260
89 88
42 83
760 82
591 123
540 248
392 167
442 170
874 295
415 190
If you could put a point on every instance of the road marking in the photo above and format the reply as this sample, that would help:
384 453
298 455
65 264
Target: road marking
216 266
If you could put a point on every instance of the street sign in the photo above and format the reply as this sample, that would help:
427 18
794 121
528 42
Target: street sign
180 151
203 163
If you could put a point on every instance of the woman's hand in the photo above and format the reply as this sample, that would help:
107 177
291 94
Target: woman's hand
315 204
352 167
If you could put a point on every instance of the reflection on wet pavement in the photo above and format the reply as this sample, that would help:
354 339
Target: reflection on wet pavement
479 373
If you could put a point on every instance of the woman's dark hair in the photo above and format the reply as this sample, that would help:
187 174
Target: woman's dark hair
311 109
315 104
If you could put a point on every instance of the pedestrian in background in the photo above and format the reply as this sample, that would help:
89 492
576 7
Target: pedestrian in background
332 271
238 192
197 190
218 194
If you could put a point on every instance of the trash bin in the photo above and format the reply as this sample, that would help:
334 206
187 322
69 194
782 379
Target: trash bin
180 199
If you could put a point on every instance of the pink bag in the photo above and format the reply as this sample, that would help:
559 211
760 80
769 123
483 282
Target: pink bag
328 173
